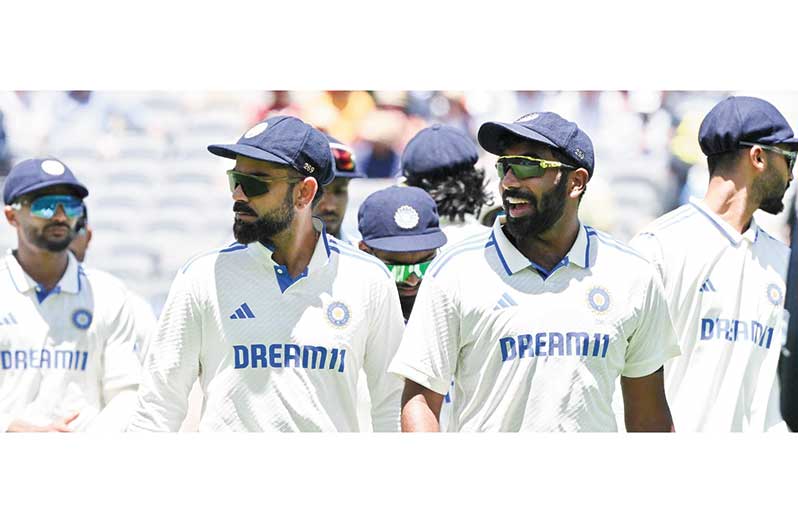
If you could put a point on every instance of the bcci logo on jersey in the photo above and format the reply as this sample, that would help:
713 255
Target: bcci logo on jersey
598 299
81 318
338 314
774 294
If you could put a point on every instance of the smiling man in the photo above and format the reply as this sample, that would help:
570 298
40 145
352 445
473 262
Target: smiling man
537 318
277 326
67 338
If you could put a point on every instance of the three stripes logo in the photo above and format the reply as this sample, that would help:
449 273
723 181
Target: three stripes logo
505 301
707 286
242 312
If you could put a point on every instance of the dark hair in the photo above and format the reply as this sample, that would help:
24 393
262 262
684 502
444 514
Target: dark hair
722 161
456 192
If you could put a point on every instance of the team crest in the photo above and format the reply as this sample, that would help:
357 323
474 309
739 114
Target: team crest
256 130
338 314
53 167
774 294
406 217
599 299
81 319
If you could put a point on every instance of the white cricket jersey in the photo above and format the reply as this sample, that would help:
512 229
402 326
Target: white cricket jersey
72 349
534 352
457 231
726 293
272 353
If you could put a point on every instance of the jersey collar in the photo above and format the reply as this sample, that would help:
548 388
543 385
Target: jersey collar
513 261
70 281
320 257
730 233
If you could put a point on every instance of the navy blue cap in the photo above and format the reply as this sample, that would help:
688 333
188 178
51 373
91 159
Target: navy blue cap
439 148
344 164
285 140
743 119
37 173
400 219
547 128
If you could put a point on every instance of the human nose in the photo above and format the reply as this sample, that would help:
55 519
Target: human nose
238 194
509 179
60 214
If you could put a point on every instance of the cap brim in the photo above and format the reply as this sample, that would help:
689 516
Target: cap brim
238 149
490 133
419 242
350 175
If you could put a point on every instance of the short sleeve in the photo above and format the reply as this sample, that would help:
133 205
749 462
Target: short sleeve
431 343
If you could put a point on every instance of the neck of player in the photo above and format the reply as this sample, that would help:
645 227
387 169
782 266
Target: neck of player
294 247
45 267
729 198
550 247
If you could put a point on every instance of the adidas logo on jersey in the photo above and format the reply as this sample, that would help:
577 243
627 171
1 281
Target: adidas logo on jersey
8 320
707 286
242 312
505 301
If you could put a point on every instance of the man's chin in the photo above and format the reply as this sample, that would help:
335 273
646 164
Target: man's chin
772 206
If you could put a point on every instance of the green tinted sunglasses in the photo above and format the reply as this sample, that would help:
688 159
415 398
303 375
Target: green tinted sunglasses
524 167
251 184
402 272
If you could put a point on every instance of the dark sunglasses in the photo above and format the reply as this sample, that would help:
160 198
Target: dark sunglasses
524 167
46 206
344 158
253 185
402 272
790 156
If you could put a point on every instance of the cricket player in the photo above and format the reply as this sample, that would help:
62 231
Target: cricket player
278 325
538 317
67 336
331 208
788 361
441 160
724 276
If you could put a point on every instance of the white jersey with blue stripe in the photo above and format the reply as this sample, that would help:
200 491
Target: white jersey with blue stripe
274 353
530 349
72 349
726 293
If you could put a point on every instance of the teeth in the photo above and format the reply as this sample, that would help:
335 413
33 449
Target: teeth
516 201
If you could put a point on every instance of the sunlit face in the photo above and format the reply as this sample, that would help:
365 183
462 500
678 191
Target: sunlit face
534 205
54 234
772 184
332 205
260 218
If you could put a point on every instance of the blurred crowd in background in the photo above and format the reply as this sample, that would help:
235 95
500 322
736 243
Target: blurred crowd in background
158 197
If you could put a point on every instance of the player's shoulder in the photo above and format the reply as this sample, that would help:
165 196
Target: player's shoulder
674 223
614 254
354 262
202 263
100 279
464 253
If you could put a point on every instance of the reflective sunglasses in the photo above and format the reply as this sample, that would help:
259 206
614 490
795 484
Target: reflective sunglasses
46 206
253 185
524 167
344 158
789 155
401 273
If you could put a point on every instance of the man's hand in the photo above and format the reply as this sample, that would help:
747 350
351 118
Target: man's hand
59 425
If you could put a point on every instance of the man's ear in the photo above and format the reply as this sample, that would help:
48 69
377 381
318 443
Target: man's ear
756 155
11 215
307 190
578 183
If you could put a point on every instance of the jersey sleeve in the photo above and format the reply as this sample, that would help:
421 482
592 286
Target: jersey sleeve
385 333
654 340
648 245
431 342
121 365
172 361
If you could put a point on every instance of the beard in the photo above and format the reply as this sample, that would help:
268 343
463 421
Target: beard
544 215
265 227
770 189
40 240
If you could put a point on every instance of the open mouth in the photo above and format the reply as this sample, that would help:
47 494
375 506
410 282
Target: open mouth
517 206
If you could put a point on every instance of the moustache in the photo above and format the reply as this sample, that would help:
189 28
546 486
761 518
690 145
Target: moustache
517 193
243 208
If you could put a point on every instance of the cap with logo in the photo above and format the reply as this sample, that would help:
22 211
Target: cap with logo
547 128
743 119
439 149
400 219
38 173
286 140
344 164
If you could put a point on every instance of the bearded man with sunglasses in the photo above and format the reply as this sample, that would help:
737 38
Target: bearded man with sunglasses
279 325
68 357
537 318
724 276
